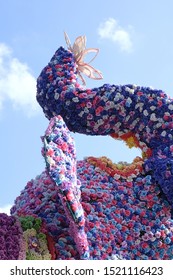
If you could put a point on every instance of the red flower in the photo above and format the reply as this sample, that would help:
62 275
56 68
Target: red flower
99 110
50 153
144 245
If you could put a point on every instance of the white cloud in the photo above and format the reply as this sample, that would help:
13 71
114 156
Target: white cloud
110 29
17 84
5 209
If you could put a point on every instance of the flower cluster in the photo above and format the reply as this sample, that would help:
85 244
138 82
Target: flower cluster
11 239
128 218
36 248
35 238
126 171
41 198
24 238
160 165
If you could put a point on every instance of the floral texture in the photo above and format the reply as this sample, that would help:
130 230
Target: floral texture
11 239
24 238
35 239
116 110
41 198
60 159
93 208
125 214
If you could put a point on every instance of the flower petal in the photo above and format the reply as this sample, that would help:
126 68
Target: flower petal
79 44
79 50
89 51
90 71
67 41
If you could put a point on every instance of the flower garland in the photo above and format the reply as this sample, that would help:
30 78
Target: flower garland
123 170
132 141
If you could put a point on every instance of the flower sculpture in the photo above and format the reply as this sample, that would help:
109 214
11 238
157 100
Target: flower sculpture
142 114
93 208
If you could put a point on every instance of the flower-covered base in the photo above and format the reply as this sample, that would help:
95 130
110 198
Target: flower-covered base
129 219
126 214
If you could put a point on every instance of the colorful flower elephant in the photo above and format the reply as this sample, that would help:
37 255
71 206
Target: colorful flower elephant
94 209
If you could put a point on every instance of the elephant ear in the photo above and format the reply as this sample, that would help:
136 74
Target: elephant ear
60 156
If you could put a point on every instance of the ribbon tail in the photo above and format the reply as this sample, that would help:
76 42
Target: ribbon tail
80 44
67 41
90 72
89 51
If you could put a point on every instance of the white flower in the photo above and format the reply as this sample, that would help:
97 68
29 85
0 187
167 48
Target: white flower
153 108
75 99
163 133
117 96
129 100
56 96
67 103
86 110
50 161
116 176
81 114
158 125
145 112
130 90
153 117
100 122
170 107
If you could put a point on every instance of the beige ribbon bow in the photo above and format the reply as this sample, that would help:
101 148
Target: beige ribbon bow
79 50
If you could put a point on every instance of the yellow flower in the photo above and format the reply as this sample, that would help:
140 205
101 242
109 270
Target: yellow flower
131 142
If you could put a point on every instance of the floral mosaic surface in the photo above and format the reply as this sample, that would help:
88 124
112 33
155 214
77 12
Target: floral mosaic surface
93 208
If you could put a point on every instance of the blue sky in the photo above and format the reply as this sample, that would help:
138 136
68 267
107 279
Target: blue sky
135 39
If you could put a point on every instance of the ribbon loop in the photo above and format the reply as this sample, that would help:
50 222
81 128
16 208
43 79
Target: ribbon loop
79 50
